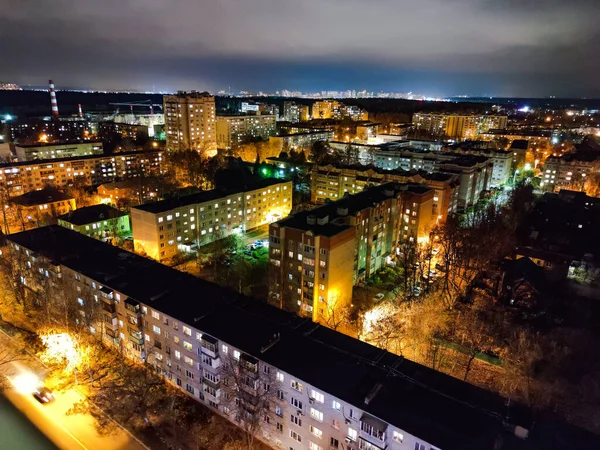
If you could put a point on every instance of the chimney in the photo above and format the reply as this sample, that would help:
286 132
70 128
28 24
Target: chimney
53 101
80 111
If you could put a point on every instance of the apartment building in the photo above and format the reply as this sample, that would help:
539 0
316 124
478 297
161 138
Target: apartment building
474 174
23 177
502 160
58 150
134 131
36 208
302 139
98 221
333 182
62 130
233 131
575 171
535 137
169 227
190 122
457 126
293 112
318 255
332 109
328 390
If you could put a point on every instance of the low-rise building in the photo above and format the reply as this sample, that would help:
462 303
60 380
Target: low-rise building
101 222
301 140
58 150
324 389
23 177
318 255
39 208
170 227
133 191
233 131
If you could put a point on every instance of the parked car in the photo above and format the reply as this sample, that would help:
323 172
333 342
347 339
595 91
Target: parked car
43 395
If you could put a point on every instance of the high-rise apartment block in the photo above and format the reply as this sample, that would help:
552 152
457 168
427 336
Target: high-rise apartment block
23 177
294 112
330 183
325 390
190 122
457 126
332 109
170 227
317 256
233 131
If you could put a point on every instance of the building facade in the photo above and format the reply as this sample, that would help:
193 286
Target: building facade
317 256
23 177
326 390
190 122
333 182
233 131
570 172
170 227
457 126
58 150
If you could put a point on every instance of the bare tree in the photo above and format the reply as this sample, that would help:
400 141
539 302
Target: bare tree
249 394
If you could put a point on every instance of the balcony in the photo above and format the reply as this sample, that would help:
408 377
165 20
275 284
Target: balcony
249 365
109 307
133 306
209 345
136 336
372 430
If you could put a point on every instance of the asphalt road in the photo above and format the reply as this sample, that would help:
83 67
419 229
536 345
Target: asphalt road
66 432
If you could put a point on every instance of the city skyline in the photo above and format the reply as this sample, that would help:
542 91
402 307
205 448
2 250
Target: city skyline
471 48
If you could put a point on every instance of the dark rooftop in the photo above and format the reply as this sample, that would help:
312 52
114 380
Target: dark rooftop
352 203
92 214
54 144
41 197
204 196
38 162
442 410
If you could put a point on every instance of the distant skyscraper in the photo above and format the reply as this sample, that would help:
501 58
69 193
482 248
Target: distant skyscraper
190 122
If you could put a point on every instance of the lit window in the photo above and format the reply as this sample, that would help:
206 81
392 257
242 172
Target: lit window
336 405
316 414
187 346
160 219
352 433
297 386
156 329
398 437
317 396
236 355
177 354
187 330
280 377
225 349
155 315
316 431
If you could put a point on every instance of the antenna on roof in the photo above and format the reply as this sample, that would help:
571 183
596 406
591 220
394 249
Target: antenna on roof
274 340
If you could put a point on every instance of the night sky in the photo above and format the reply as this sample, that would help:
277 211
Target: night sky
433 47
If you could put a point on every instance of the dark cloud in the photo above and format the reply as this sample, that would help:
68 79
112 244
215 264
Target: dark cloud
442 47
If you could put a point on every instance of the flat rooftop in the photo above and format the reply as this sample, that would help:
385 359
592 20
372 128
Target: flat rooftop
353 203
204 196
442 410
38 162
57 144
92 214
41 197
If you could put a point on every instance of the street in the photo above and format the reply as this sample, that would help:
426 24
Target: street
76 431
